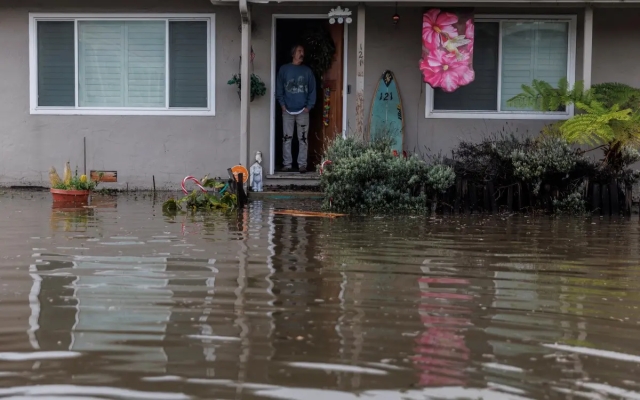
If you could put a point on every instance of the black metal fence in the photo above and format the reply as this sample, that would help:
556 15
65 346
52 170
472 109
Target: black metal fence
468 197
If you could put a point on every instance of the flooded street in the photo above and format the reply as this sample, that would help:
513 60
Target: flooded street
122 302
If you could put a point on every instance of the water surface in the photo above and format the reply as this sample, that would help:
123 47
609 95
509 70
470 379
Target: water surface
122 302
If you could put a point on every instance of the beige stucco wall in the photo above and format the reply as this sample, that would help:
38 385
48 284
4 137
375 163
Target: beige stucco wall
138 147
398 48
170 148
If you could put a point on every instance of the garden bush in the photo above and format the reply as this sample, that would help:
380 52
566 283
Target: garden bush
365 177
546 161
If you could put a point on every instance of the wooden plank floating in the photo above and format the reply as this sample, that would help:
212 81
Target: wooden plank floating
297 213
107 176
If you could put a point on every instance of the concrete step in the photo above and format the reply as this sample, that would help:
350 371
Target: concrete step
292 178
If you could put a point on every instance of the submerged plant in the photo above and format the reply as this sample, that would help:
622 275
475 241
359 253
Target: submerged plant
218 199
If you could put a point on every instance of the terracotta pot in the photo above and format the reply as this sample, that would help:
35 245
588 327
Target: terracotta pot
70 196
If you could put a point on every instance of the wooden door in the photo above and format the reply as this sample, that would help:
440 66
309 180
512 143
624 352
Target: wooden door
333 80
328 123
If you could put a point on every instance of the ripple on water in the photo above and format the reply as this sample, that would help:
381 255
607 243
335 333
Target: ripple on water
129 303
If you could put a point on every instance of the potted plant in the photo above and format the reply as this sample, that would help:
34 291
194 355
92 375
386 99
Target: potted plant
71 189
258 88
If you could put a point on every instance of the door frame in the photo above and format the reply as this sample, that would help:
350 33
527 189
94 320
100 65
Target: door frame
272 108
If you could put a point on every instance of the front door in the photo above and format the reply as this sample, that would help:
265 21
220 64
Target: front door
326 117
326 121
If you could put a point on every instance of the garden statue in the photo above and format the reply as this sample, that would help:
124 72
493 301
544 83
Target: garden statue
255 173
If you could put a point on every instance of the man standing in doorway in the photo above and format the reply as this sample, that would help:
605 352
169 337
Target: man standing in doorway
296 94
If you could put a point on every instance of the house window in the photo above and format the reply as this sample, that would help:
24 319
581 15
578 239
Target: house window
510 52
122 64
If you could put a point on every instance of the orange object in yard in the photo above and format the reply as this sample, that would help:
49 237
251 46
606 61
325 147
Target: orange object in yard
297 213
239 169
70 196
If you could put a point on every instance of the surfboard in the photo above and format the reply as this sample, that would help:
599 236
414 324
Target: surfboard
387 116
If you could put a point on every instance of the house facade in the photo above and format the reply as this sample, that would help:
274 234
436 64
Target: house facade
140 87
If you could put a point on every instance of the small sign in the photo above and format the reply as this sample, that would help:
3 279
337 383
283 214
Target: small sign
104 176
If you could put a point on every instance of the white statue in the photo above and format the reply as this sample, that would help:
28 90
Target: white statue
255 174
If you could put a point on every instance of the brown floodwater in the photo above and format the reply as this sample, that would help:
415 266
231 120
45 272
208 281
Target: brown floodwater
122 302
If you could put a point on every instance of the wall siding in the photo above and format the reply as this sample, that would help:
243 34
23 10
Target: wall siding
170 148
138 147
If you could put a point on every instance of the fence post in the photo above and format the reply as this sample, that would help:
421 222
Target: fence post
242 197
466 195
606 209
458 196
492 198
486 204
628 199
519 197
473 198
613 193
595 199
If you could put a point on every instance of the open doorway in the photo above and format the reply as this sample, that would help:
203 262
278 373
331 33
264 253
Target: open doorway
326 119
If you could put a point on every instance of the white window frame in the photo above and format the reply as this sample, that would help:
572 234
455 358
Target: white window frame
74 17
508 115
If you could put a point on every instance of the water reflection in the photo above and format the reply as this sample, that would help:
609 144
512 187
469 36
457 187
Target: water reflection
258 305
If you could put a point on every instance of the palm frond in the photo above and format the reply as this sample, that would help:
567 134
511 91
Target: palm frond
617 93
595 125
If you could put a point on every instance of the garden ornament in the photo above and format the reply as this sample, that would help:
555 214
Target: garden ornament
255 173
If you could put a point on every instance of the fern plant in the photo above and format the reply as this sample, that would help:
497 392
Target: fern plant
543 96
609 115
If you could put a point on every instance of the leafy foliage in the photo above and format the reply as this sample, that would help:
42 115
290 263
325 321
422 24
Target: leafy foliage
365 177
218 199
544 97
544 159
548 160
76 183
319 49
596 125
573 202
613 93
609 118
258 88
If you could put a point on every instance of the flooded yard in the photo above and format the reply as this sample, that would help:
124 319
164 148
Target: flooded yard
122 302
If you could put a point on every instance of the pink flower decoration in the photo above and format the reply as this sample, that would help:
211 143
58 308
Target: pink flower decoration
469 33
444 70
437 28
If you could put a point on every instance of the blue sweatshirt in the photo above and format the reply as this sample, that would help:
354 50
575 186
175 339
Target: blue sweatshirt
296 87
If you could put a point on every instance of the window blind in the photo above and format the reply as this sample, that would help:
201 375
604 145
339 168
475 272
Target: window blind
146 64
56 64
532 50
188 64
122 64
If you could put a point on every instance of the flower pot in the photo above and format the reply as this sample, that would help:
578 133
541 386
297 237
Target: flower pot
70 196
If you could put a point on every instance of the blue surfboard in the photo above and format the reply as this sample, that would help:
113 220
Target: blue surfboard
387 116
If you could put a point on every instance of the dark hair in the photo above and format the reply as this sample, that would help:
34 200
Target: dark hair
294 48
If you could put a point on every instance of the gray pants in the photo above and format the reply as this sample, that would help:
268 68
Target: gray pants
302 122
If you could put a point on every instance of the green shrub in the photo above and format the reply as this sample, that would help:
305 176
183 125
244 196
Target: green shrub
367 178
